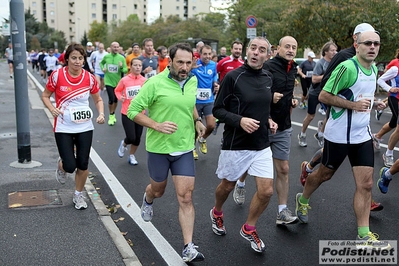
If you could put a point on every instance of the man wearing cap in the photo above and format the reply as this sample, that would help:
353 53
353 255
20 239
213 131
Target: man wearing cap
350 94
337 59
305 71
134 54
89 50
328 52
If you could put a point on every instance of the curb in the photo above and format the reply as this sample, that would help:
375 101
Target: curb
127 253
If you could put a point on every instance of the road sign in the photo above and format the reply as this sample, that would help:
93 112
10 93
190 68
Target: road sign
5 30
251 33
251 22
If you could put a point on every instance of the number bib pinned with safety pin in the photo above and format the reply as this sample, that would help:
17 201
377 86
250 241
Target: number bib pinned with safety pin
132 91
81 114
204 94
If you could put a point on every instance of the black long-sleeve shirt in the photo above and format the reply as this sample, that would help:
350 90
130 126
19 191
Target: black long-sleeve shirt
244 92
283 72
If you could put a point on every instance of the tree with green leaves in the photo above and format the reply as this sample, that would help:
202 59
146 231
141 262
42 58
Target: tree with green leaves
98 32
315 22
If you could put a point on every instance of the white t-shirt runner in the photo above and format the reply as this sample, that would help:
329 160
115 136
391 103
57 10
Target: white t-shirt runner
72 98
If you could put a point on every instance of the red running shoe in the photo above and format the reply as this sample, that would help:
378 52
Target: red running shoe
304 173
376 206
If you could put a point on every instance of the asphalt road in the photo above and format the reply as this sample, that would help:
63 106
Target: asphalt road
331 217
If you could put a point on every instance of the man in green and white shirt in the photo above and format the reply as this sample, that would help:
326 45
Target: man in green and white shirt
113 66
350 93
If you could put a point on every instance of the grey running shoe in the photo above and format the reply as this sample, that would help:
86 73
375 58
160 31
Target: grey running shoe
302 140
388 160
301 210
370 241
320 140
252 236
239 195
80 202
217 224
121 149
286 217
146 210
378 114
190 253
60 175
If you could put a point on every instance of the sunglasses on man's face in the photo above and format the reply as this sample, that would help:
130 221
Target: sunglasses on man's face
369 43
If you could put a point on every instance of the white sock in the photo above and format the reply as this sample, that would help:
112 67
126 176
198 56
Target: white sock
201 139
388 174
77 193
240 184
308 169
389 153
320 134
303 134
281 207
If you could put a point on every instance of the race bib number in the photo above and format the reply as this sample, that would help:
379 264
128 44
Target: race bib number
81 115
150 74
204 94
132 91
112 68
368 97
309 74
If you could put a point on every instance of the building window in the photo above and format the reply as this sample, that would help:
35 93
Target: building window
33 4
145 6
93 15
52 13
177 7
160 7
114 17
113 6
52 21
194 8
135 6
93 6
51 4
145 13
34 12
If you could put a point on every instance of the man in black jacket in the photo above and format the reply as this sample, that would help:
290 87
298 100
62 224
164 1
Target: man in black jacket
283 69
243 104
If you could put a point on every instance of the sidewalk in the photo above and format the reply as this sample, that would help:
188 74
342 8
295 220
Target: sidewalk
52 231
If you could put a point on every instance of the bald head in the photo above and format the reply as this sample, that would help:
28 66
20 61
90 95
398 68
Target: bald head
115 47
287 48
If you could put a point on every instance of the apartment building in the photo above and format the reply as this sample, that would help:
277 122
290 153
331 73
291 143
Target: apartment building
74 17
183 8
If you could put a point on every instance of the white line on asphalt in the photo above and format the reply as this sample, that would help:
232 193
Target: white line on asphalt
167 252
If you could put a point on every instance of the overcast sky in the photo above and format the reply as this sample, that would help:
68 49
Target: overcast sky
4 10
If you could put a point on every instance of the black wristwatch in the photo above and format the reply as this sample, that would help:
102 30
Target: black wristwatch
198 119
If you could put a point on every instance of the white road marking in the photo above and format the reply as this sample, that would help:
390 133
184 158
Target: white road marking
167 252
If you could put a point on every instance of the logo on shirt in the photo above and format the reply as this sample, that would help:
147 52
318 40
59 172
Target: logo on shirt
64 88
210 72
230 67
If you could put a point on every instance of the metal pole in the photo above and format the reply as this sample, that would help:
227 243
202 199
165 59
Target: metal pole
17 20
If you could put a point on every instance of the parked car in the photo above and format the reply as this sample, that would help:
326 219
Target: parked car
300 60
381 67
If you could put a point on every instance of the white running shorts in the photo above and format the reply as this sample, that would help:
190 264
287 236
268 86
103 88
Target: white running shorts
233 164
